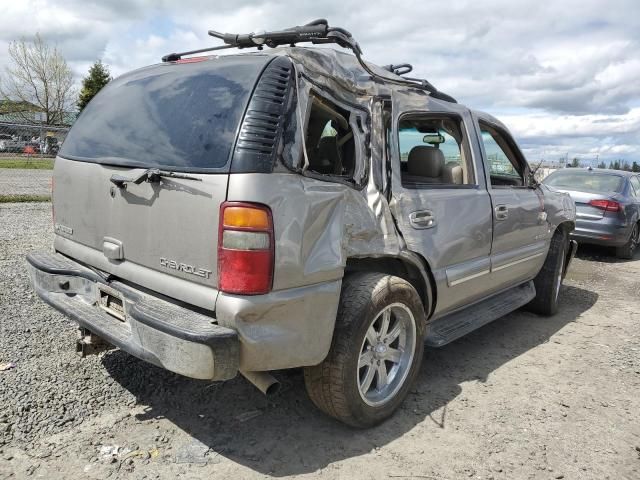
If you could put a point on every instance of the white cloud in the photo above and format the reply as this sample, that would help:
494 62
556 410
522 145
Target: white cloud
564 76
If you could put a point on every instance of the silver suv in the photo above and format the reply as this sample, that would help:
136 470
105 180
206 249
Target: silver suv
297 208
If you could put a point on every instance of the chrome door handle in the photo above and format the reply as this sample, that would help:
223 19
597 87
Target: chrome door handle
422 219
502 212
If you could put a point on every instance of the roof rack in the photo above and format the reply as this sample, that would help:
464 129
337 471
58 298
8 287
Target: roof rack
316 32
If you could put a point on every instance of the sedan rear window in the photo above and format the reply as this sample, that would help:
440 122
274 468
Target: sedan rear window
174 116
584 181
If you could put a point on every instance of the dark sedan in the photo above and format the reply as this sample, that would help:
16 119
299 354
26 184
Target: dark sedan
607 206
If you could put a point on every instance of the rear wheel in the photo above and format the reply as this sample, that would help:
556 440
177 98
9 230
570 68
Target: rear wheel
549 279
628 249
376 351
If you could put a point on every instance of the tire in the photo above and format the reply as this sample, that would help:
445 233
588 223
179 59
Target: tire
334 385
549 279
628 249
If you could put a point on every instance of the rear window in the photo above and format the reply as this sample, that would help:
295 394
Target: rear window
583 181
173 116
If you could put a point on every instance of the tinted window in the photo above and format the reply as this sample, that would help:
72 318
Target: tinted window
584 181
180 116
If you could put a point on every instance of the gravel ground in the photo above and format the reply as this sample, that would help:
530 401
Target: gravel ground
16 181
524 397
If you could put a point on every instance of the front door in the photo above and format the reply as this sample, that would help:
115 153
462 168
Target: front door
521 233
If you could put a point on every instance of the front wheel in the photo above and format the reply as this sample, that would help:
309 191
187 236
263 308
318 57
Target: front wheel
549 279
376 351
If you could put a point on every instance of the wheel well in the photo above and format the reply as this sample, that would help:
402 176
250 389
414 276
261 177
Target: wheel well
400 268
567 227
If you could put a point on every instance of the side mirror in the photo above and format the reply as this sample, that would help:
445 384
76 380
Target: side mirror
531 180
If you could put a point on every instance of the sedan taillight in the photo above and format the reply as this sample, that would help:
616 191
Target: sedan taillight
245 248
606 205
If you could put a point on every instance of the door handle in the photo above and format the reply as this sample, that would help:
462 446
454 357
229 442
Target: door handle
502 212
422 219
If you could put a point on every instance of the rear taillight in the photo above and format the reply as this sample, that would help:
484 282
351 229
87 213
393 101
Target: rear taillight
245 248
606 205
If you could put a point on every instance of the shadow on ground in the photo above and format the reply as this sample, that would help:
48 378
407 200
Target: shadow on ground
602 254
286 435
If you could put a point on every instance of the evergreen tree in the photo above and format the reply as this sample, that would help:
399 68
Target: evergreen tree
575 163
635 167
97 78
602 165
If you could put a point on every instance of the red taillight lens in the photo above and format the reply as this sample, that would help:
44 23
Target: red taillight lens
245 248
606 205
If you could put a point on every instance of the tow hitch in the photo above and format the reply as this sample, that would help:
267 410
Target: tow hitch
89 343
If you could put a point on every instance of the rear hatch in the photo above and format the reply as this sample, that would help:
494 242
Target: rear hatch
178 117
586 188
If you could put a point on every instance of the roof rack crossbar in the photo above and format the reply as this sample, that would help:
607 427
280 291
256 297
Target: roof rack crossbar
316 32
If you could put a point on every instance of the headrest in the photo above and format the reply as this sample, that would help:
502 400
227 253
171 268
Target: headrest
452 174
425 161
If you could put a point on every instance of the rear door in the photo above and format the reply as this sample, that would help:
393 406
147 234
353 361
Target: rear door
179 117
439 197
520 230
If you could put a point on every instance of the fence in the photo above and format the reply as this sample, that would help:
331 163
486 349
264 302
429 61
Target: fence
30 140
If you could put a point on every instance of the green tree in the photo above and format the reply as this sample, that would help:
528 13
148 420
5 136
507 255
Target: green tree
615 165
635 167
97 78
626 167
602 165
575 163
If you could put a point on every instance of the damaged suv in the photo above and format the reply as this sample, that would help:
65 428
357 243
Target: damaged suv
295 208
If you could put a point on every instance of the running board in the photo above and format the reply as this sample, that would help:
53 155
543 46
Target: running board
455 325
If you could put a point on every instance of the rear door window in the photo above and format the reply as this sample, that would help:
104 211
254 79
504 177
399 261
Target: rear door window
180 116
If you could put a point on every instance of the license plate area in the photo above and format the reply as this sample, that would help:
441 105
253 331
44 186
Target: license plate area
111 302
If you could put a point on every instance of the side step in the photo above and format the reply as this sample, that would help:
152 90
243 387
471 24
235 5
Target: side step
455 325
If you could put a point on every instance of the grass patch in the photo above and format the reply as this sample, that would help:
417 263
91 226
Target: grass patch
24 198
28 163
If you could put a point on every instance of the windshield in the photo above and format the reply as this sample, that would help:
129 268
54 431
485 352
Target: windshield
174 116
585 182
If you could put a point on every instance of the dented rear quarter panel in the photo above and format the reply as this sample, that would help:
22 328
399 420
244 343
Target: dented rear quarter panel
318 225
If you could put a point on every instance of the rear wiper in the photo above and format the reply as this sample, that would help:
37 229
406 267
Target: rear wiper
150 175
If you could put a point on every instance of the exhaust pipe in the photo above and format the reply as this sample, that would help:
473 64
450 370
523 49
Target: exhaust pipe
264 381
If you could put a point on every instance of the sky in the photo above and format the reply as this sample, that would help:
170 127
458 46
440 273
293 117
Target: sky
564 76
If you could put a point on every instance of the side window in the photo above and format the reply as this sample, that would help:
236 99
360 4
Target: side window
504 167
635 186
329 139
433 151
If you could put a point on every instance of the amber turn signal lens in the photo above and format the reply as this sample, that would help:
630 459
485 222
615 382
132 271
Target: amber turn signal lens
245 217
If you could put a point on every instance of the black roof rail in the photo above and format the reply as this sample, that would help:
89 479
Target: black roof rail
316 32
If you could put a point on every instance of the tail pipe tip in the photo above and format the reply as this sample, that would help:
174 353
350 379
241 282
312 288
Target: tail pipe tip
263 381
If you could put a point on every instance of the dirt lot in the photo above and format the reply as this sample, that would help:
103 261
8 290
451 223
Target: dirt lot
524 397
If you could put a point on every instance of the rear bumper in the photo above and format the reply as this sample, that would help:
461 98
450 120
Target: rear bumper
601 232
154 330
